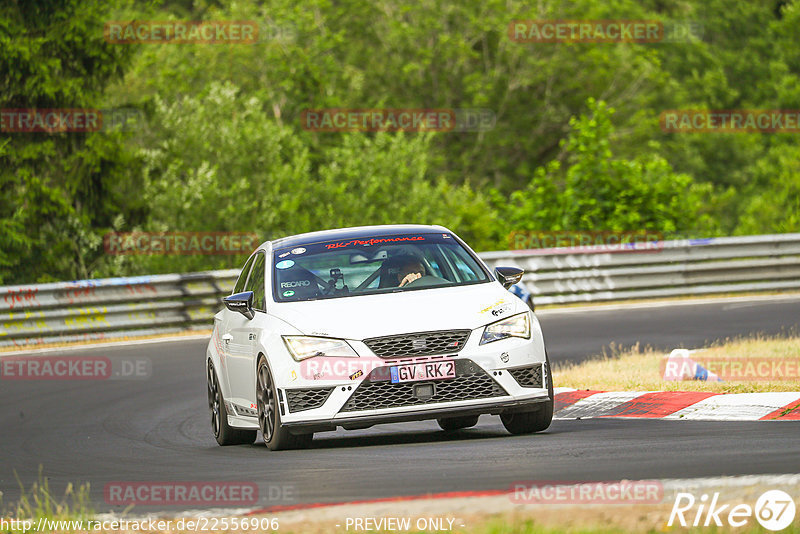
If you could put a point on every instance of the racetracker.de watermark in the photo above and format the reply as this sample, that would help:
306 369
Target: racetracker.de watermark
398 119
572 492
59 120
338 369
179 243
229 493
181 32
603 31
74 368
141 524
701 367
585 241
730 121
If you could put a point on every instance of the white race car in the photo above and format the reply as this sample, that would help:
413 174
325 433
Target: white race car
360 326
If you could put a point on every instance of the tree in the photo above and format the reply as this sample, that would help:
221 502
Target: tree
58 189
596 191
219 162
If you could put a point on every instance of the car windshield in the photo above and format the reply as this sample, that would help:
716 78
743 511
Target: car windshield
372 264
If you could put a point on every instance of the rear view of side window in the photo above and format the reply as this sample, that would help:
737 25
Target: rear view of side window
239 287
256 283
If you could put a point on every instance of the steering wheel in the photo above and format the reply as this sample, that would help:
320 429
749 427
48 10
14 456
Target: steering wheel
427 280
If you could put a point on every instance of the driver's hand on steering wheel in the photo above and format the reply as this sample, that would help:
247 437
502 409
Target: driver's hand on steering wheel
410 277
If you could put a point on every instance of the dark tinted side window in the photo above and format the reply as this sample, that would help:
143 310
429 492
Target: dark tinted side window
239 287
256 283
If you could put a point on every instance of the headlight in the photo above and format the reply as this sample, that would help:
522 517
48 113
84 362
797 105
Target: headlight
516 326
304 347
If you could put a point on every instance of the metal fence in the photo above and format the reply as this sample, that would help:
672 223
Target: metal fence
661 269
111 307
115 307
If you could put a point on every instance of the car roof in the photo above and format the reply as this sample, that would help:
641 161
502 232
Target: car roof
356 233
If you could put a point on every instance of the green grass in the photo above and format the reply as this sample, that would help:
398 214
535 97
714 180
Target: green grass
635 370
506 525
39 502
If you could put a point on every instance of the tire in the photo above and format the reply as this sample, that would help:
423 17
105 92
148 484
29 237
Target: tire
533 421
276 436
223 432
449 424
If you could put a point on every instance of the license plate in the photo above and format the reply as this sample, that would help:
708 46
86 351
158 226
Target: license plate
423 371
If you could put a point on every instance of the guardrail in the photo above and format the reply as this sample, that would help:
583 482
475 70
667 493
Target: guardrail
145 305
661 269
111 307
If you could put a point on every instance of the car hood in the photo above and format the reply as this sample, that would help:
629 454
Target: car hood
368 316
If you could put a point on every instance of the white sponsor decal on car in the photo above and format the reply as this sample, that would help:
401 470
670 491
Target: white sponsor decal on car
296 283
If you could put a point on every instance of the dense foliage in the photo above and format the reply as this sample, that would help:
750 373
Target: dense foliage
576 145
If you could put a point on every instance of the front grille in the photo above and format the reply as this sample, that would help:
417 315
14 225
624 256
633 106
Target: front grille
419 343
377 392
307 399
528 377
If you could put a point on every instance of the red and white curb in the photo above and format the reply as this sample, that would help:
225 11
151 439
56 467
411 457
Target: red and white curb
697 405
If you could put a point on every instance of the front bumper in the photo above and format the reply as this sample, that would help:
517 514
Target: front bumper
492 407
322 393
475 390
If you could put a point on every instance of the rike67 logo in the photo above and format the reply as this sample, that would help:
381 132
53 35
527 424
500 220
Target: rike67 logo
774 510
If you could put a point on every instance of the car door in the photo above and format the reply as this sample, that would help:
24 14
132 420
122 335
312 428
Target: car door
222 321
241 362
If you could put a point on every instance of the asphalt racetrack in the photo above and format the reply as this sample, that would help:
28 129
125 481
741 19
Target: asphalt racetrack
158 429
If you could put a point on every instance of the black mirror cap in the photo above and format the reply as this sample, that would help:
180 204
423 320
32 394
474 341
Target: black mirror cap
508 276
241 302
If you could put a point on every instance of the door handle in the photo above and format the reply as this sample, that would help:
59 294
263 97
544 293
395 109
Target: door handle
227 338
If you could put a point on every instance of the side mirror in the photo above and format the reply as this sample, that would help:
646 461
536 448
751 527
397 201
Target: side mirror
508 276
241 302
